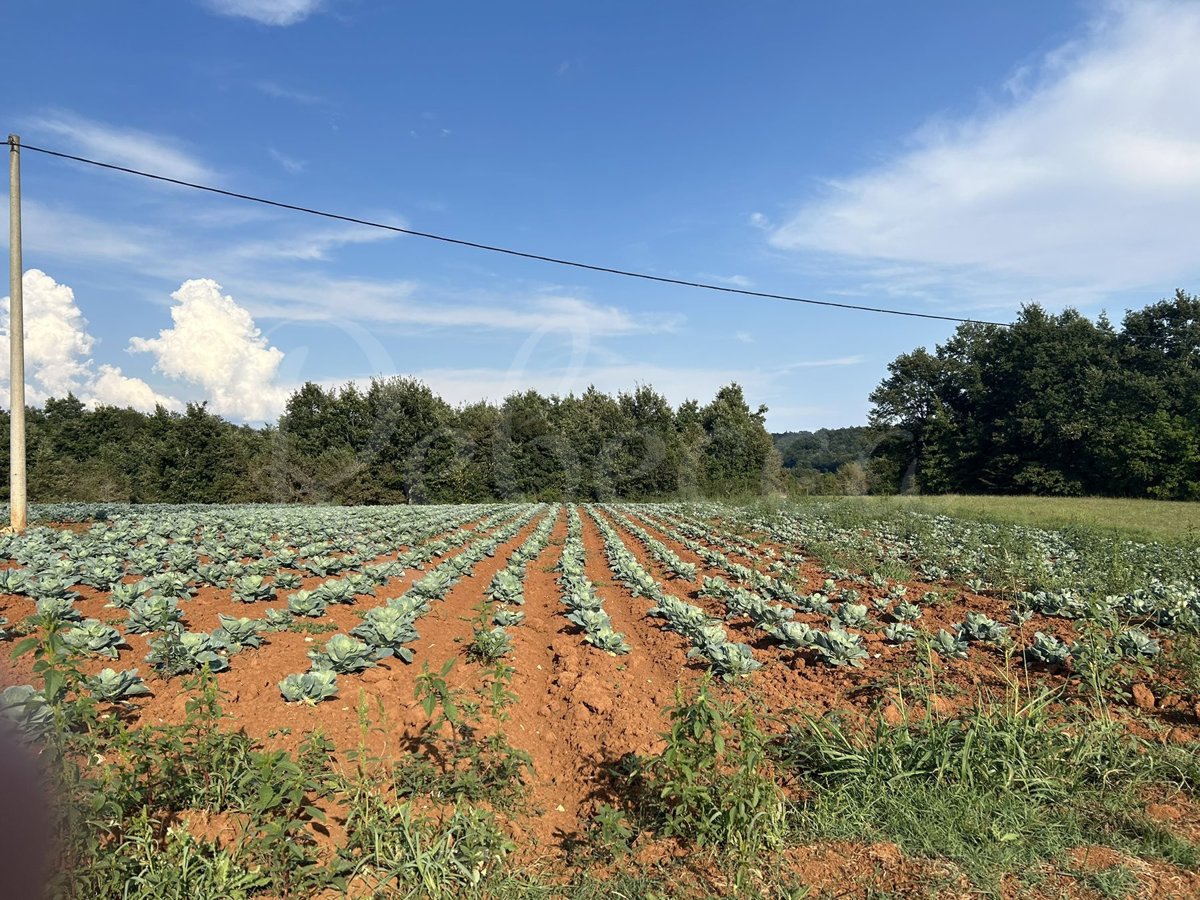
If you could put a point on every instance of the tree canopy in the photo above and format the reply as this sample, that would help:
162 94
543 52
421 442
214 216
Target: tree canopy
1054 404
396 441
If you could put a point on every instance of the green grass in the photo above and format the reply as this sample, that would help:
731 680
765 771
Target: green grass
998 791
1158 520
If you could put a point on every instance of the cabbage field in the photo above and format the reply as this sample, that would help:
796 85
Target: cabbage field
516 699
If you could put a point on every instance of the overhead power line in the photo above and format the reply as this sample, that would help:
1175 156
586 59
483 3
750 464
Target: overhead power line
508 251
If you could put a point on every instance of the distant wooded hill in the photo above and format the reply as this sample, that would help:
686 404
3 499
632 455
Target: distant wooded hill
853 460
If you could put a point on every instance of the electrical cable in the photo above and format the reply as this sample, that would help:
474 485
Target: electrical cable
591 267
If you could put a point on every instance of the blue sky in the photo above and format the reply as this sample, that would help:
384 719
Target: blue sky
948 157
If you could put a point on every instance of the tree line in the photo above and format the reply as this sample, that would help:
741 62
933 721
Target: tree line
396 441
1054 404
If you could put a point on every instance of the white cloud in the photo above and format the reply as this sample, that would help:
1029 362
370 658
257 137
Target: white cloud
745 337
215 344
57 344
738 281
1086 179
280 92
317 244
675 383
60 233
112 388
290 164
394 302
58 351
823 363
123 146
268 12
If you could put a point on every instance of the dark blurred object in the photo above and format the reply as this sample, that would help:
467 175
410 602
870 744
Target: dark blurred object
25 817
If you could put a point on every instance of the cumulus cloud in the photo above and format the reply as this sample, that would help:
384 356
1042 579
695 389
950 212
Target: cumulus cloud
268 12
110 387
57 344
126 146
214 343
58 352
1086 175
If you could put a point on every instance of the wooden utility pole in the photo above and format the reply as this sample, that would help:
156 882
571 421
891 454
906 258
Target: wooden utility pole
16 343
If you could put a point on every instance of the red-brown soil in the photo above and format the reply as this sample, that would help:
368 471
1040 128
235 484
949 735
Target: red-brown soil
580 709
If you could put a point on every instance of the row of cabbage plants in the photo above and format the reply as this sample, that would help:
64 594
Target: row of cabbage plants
387 629
1161 605
585 608
708 636
507 587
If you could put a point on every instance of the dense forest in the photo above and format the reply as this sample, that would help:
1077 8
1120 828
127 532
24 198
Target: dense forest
1055 404
398 442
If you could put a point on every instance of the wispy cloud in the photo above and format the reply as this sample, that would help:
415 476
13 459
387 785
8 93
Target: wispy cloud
49 231
315 244
281 92
675 383
1086 178
739 281
289 164
126 146
823 363
261 272
407 303
268 12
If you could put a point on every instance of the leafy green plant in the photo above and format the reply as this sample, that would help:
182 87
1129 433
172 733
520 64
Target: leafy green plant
252 588
795 635
508 617
93 636
155 613
27 709
112 686
949 646
59 609
709 783
344 655
309 687
900 633
388 629
853 615
506 587
978 627
286 581
489 644
236 634
1047 650
609 833
1136 644
727 659
838 647
307 603
178 652
606 639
